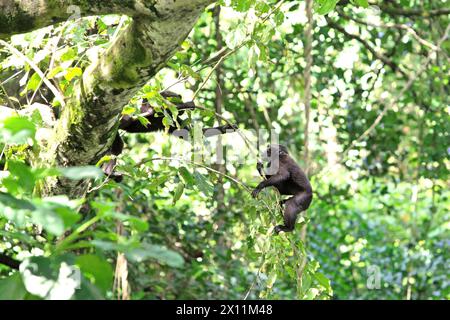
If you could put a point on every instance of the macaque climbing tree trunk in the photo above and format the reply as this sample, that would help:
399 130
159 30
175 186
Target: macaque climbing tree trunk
89 119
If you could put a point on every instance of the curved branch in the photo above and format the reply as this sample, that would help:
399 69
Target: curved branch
412 12
409 29
19 16
375 53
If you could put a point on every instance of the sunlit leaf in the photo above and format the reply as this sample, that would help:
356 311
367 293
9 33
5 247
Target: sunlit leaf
78 173
187 176
34 82
159 253
325 6
72 73
17 130
98 270
203 184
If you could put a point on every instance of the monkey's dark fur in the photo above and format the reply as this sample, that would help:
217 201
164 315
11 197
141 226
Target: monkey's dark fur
289 179
133 125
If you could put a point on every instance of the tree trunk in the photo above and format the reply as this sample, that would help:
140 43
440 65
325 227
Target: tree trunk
89 120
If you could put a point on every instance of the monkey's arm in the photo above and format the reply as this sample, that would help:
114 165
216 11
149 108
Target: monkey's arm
273 180
211 132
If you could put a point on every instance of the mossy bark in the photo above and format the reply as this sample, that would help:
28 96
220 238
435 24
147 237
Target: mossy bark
19 16
89 120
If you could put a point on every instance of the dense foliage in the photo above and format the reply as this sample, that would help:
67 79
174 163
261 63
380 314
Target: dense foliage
180 228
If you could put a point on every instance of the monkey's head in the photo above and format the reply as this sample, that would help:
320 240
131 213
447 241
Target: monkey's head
276 150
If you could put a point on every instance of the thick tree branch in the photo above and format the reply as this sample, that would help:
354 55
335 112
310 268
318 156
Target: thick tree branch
19 16
88 123
8 261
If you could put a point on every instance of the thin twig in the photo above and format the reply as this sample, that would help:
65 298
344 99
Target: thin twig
36 69
409 29
195 164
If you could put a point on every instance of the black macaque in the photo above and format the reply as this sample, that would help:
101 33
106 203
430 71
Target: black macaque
133 125
289 179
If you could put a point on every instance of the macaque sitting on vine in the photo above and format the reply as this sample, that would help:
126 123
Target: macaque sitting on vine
289 179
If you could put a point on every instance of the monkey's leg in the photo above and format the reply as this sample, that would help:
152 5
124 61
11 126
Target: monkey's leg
303 200
282 202
117 145
294 206
108 168
290 215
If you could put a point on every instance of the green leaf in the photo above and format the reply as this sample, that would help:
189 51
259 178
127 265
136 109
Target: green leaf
49 220
101 26
88 291
54 72
325 6
103 208
12 202
54 215
70 54
178 193
41 173
108 245
279 18
242 5
203 184
143 120
97 270
324 281
187 176
84 172
22 236
159 253
72 73
187 70
17 130
271 280
12 288
135 222
34 82
160 180
235 37
167 122
128 110
362 3
50 277
23 174
262 7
